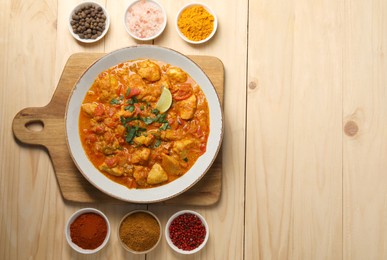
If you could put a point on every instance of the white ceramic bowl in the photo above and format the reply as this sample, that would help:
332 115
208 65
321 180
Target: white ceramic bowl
128 248
79 6
71 220
173 246
208 10
160 193
150 37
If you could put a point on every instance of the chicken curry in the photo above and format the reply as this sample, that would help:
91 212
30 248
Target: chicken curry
131 141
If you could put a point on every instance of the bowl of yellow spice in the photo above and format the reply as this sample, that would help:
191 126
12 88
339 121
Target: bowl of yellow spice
139 231
196 23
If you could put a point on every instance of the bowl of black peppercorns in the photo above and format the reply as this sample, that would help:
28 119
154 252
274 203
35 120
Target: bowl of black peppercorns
89 22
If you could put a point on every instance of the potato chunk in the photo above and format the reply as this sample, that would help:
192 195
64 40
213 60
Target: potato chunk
157 175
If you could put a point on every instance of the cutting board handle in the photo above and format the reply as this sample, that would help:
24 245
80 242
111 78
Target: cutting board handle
35 126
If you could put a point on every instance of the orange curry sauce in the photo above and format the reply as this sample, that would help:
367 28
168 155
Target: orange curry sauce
130 141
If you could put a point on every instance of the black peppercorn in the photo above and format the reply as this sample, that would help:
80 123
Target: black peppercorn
88 22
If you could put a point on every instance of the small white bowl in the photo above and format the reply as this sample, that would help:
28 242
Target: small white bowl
150 37
71 220
208 10
130 249
81 5
173 246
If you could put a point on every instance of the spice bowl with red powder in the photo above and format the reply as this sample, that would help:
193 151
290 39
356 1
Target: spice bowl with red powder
187 232
87 231
145 20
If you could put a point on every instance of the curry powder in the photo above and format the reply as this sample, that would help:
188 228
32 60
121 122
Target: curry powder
196 23
139 231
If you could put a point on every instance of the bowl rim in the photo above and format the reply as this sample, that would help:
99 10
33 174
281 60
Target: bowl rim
71 219
166 191
128 248
107 22
169 241
209 9
162 28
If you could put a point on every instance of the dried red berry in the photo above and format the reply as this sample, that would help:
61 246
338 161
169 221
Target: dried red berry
187 231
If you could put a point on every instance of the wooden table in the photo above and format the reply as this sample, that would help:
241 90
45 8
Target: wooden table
305 145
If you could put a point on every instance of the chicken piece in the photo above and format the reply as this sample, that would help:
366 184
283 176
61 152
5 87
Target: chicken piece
135 81
141 155
143 140
156 175
107 87
116 171
120 130
125 113
89 108
182 147
140 174
171 135
187 107
177 75
149 70
170 165
164 82
147 93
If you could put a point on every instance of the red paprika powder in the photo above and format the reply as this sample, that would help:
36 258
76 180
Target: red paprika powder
187 231
88 230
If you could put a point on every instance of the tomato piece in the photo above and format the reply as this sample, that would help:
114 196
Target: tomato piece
99 110
98 129
111 161
137 110
119 90
133 92
199 132
91 138
112 111
185 91
130 183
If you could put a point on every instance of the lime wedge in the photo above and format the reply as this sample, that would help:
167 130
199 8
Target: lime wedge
165 100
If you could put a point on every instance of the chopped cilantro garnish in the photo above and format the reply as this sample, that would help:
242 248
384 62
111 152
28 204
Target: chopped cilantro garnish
132 100
165 126
148 120
130 108
132 132
115 101
157 143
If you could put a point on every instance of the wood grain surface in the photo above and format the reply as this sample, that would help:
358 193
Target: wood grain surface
73 186
305 145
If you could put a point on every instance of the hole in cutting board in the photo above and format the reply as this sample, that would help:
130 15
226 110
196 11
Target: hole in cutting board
35 126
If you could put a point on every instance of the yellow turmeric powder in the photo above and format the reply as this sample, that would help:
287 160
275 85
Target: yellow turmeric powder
196 23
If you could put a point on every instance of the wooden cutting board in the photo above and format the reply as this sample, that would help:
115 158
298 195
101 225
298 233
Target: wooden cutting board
73 186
